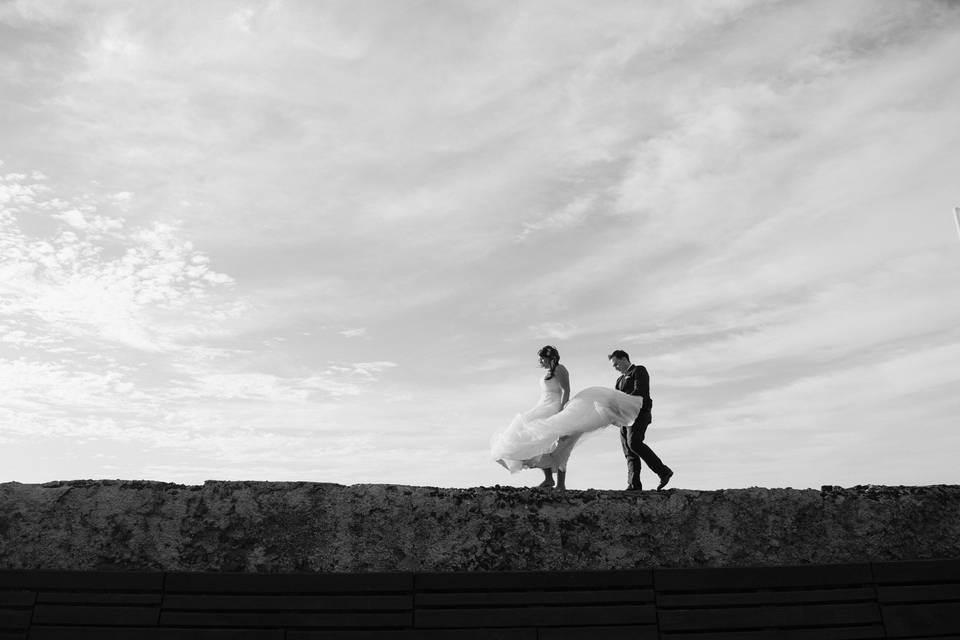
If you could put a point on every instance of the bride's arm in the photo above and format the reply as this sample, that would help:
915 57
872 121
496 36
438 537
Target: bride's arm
563 377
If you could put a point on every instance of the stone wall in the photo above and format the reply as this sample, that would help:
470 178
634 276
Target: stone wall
296 526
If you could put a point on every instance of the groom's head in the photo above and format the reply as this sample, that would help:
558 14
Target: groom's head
620 360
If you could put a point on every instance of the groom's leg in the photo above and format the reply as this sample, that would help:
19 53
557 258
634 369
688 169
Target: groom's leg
644 451
633 460
653 460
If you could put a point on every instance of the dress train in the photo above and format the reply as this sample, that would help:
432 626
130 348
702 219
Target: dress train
529 436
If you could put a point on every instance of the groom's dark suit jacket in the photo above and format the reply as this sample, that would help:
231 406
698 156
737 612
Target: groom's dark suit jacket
636 382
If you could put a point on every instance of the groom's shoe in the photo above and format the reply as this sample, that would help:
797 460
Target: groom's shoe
665 478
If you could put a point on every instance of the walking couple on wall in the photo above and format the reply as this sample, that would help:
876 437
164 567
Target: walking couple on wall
544 436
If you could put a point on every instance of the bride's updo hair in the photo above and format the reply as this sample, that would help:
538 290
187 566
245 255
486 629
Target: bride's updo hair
551 354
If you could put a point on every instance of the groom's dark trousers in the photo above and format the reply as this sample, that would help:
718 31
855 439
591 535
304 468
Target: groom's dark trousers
636 382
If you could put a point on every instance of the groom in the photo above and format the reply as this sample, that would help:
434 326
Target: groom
635 381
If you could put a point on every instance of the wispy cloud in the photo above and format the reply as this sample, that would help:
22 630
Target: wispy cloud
90 276
554 330
571 215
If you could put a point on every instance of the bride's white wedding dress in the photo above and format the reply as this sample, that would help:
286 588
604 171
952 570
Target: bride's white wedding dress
553 456
533 438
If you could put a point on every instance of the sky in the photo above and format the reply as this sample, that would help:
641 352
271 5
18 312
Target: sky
324 241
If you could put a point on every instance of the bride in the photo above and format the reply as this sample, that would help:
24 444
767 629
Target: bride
544 436
554 394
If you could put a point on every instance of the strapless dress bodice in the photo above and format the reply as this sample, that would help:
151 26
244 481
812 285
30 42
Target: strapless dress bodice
550 391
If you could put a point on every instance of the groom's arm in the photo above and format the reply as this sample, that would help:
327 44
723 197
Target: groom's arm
640 386
637 383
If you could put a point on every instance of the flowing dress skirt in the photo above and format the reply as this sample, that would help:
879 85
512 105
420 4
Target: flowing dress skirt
525 438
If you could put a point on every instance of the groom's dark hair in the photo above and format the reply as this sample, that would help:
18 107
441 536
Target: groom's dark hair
619 353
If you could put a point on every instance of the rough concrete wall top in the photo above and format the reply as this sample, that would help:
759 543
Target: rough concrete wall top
284 527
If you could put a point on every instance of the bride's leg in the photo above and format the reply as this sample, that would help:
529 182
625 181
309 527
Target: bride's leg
547 478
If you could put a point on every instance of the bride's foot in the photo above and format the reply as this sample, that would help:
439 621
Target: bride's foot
547 479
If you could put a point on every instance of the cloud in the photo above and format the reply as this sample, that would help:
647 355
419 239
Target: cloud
14 192
346 379
15 337
490 364
251 386
76 219
571 215
554 330
241 18
69 280
58 388
336 381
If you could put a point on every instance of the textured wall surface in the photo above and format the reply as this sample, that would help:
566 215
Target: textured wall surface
292 527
